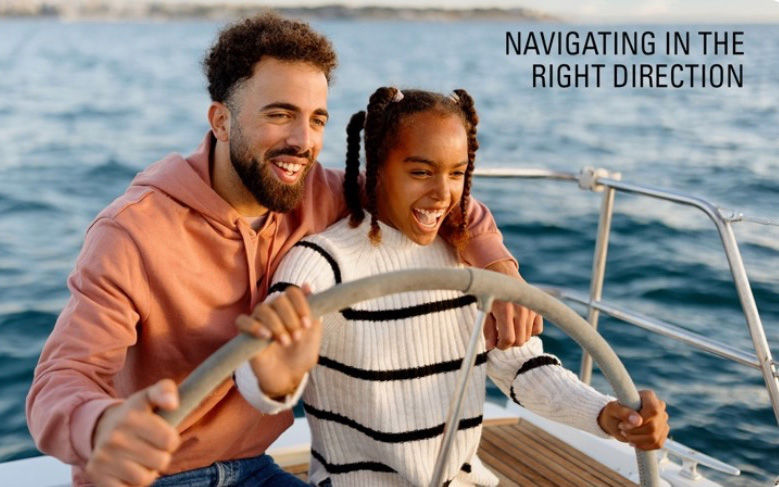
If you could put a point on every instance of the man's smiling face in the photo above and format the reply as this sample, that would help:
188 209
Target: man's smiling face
276 130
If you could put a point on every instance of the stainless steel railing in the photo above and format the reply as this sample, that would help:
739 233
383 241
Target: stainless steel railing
600 180
659 327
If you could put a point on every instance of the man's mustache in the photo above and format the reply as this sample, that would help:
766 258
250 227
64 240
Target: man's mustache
289 151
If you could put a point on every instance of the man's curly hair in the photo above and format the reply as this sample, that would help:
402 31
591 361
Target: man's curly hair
243 44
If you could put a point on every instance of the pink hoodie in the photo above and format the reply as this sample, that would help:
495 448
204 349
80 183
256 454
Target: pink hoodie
164 272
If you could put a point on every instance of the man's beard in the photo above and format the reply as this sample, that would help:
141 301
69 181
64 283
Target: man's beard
259 179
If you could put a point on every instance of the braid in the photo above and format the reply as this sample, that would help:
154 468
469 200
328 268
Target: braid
472 120
352 173
381 121
374 138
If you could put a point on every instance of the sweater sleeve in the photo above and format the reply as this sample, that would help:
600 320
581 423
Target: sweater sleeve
308 262
247 384
73 381
305 263
538 381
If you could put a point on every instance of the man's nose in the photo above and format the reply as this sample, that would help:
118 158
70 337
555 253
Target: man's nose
301 136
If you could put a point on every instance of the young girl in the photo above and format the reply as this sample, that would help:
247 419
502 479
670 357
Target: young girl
378 398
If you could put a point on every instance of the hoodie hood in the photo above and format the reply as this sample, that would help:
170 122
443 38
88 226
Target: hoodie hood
188 181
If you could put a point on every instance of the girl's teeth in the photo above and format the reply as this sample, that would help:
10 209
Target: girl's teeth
428 217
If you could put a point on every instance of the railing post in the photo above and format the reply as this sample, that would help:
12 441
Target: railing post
737 269
598 273
749 306
463 379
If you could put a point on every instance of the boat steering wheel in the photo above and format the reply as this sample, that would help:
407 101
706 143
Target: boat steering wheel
486 286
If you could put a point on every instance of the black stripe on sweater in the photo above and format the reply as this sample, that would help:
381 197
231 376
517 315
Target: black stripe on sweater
329 258
380 315
282 286
401 437
514 395
279 287
350 467
408 312
465 468
392 314
398 374
342 468
531 364
539 361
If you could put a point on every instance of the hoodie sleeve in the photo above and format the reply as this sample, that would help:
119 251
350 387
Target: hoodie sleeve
485 242
538 381
73 380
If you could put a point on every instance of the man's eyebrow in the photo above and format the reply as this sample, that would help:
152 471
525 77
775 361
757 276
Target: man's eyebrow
293 108
282 105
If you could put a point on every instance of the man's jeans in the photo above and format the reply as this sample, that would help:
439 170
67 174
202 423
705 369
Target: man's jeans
259 471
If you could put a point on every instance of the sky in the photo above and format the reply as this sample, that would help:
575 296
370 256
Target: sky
590 10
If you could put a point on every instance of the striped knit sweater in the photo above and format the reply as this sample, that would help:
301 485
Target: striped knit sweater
377 400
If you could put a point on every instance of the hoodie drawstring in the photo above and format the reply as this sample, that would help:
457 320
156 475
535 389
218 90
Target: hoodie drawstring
264 280
251 264
267 278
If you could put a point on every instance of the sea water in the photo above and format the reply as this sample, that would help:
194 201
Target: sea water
85 106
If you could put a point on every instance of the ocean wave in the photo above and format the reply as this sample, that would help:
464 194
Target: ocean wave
112 170
24 333
14 207
87 112
761 185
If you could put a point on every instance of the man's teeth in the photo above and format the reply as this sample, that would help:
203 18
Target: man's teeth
289 167
428 217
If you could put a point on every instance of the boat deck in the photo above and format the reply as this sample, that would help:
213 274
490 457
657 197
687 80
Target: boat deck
523 455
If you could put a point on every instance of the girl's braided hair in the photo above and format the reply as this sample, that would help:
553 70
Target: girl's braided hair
386 109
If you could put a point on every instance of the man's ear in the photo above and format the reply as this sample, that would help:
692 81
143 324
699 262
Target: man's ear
219 118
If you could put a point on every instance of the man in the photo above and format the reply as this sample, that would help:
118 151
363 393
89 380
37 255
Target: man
168 267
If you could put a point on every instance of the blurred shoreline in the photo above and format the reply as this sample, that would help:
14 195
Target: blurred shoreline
111 10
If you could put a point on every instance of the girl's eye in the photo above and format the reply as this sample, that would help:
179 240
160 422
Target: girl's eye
419 173
458 174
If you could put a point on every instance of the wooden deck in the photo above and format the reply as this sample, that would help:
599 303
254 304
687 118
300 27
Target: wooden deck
523 455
